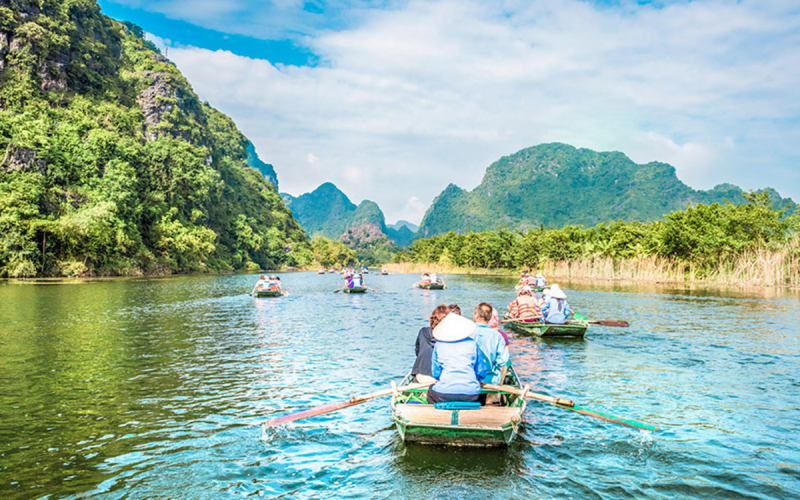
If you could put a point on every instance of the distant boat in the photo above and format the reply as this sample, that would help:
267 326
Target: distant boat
431 286
321 271
384 272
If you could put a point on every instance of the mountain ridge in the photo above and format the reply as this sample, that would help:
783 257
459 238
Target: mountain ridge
555 184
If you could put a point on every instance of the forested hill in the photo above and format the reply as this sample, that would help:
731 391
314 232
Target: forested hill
328 212
556 184
112 165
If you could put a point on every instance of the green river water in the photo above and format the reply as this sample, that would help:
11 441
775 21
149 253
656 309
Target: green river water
157 388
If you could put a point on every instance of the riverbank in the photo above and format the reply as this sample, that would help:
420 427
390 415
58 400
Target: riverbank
762 269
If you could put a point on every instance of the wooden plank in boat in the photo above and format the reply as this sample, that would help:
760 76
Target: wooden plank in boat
487 416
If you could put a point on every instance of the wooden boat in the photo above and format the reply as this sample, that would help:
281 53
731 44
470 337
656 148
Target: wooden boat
321 271
432 286
530 328
419 422
269 293
384 272
355 289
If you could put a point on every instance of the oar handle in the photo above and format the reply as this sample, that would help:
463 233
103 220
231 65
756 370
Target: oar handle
386 392
516 320
541 397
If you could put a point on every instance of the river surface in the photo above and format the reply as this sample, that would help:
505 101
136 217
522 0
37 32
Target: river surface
157 388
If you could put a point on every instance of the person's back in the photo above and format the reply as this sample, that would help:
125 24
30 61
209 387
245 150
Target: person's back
491 343
524 306
540 281
456 362
555 308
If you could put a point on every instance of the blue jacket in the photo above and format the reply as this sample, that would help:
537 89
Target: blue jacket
494 347
458 367
554 312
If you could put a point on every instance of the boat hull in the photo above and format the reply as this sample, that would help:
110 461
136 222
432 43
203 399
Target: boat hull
485 427
269 293
540 329
360 289
438 286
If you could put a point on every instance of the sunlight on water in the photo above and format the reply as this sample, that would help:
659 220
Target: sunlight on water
159 388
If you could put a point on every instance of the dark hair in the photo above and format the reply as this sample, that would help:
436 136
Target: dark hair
484 311
438 314
455 309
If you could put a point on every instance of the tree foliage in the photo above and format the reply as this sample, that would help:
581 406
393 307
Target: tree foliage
112 165
704 235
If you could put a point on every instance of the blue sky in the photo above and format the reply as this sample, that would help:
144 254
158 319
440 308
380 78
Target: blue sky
393 100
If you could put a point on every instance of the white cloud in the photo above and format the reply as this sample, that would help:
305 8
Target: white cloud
415 98
312 159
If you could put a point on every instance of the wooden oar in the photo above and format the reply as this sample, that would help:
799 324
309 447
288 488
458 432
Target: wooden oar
516 320
338 290
368 288
572 406
580 317
621 324
328 408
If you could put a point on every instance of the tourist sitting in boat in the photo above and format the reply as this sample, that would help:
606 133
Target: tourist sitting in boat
555 309
491 344
358 281
456 363
455 309
421 371
540 282
274 283
260 284
434 279
425 279
524 306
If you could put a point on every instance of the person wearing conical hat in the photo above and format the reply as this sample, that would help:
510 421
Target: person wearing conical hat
456 363
555 308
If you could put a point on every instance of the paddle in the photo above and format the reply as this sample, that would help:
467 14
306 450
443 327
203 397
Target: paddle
328 408
527 320
368 288
580 317
338 290
572 406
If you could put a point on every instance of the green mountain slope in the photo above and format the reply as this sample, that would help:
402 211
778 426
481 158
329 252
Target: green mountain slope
328 212
556 184
112 165
266 169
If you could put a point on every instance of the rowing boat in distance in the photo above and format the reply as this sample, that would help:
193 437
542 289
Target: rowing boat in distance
355 289
268 293
538 328
432 286
458 424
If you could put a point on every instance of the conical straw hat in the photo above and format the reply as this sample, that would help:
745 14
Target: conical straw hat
453 328
555 292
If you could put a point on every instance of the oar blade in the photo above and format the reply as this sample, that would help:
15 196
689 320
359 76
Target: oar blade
614 419
313 412
618 324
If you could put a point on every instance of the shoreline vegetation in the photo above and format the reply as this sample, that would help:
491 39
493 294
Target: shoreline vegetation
725 244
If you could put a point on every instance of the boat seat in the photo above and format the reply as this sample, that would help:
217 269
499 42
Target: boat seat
487 416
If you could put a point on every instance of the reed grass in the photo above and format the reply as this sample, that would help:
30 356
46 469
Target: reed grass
763 267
